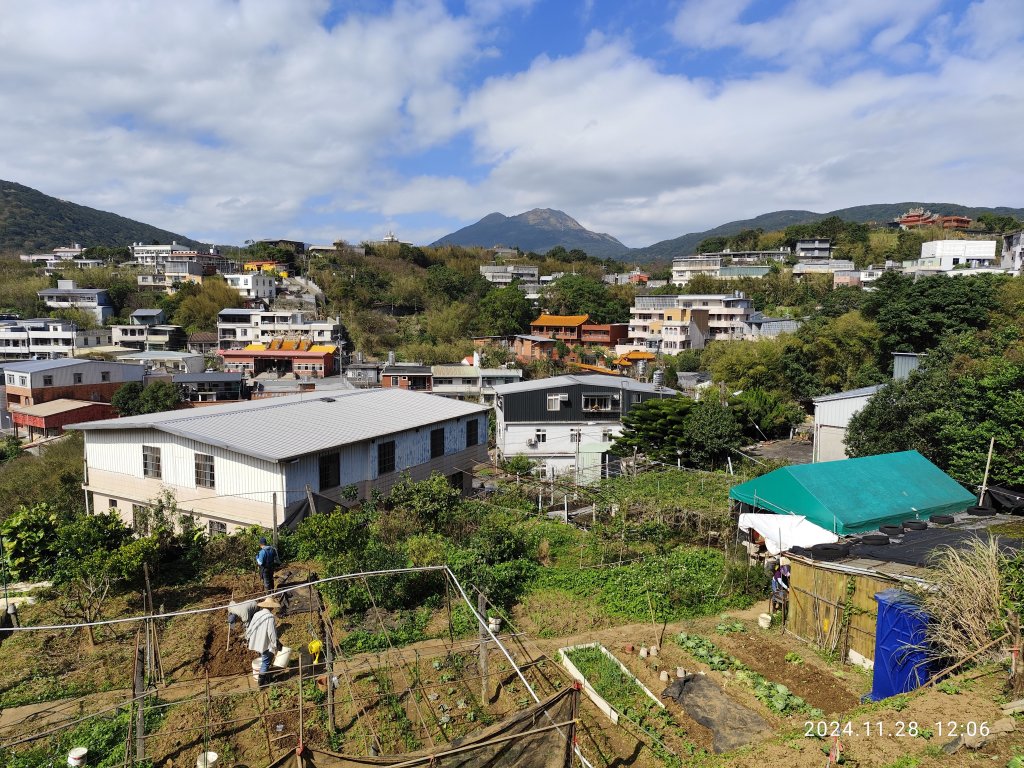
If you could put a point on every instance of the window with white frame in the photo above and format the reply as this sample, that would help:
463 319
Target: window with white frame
205 477
554 402
575 435
217 528
607 436
597 402
151 462
540 435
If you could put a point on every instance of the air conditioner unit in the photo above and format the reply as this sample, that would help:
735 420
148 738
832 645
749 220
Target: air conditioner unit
532 443
564 397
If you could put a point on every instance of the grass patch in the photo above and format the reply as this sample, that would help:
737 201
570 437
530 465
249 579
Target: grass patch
685 583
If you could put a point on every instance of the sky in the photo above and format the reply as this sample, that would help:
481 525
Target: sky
235 120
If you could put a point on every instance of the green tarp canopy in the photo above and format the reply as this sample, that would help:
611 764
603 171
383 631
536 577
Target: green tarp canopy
858 495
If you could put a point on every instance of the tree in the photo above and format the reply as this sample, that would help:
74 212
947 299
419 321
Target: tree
199 312
581 295
10 448
765 414
96 555
29 542
132 399
967 391
679 430
503 312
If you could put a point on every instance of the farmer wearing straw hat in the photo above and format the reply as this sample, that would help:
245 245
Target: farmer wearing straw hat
262 634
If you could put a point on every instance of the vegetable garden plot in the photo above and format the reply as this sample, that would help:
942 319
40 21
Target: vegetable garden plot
627 702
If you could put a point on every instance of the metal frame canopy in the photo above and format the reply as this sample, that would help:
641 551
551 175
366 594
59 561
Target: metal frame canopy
857 495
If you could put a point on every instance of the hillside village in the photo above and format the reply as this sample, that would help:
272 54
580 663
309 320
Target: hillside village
748 504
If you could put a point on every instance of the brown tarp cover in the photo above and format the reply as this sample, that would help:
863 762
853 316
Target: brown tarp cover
511 742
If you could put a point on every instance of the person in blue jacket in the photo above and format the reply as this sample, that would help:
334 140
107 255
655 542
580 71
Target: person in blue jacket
267 561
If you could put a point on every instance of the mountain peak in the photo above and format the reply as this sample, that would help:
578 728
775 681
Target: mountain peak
538 230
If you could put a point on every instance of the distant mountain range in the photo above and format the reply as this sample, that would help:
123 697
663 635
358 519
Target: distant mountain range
31 222
539 231
879 212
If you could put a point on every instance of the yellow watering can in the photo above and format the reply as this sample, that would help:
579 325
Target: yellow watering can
315 647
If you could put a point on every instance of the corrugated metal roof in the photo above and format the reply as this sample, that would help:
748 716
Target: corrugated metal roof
161 354
528 337
596 380
502 372
54 407
207 377
406 368
34 366
849 394
281 428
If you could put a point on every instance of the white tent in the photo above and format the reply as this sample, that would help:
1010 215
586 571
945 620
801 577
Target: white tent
783 532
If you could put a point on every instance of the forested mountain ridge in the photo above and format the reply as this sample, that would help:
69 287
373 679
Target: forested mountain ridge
539 230
775 220
33 222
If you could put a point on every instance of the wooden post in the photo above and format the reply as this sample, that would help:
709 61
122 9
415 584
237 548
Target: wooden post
329 659
481 608
299 748
988 464
138 689
273 499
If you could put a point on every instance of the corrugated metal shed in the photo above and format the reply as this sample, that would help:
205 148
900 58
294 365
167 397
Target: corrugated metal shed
54 407
283 428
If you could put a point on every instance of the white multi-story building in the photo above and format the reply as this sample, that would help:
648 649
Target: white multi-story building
504 274
237 328
953 255
685 268
47 339
256 462
685 321
253 285
67 295
566 424
1013 252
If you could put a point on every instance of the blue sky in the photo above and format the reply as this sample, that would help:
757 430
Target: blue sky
228 120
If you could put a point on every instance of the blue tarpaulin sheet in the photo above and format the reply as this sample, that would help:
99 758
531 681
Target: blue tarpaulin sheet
901 664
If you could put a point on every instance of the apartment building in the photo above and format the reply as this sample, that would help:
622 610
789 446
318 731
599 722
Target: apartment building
67 295
47 339
813 248
672 323
237 328
147 330
505 274
253 285
685 268
1013 252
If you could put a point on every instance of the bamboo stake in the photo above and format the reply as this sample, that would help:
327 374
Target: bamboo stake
988 464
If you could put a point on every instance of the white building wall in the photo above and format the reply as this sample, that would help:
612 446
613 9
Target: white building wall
831 419
558 453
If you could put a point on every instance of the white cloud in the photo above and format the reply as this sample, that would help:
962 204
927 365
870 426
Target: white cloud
229 120
804 32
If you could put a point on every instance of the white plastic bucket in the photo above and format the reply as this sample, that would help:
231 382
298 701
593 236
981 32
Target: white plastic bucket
764 621
282 657
77 756
206 759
